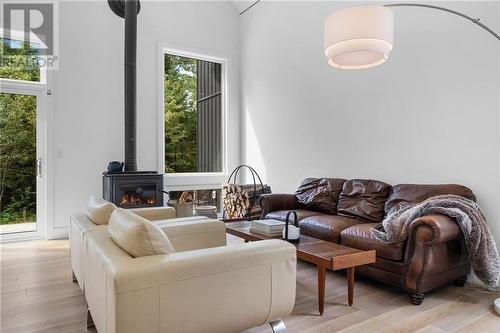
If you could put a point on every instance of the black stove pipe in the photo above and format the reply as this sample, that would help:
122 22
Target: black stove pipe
130 85
129 9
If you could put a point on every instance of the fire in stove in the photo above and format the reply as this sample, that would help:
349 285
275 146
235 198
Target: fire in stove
137 195
136 199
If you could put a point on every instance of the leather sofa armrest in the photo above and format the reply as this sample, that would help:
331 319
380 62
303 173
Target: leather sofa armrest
155 213
194 235
157 270
433 246
274 202
227 289
440 229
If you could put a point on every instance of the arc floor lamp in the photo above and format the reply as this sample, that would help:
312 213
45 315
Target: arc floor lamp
362 36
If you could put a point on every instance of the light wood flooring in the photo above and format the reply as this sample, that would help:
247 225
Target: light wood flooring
37 295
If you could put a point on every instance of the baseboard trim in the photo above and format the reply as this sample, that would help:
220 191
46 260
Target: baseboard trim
58 233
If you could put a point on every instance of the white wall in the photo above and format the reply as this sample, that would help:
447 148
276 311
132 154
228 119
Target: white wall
88 88
429 115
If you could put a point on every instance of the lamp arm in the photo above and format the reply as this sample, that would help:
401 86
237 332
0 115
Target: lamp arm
473 20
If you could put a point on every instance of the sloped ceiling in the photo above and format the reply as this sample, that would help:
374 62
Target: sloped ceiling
242 5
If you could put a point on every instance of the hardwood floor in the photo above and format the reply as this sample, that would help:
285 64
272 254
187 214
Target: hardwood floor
37 295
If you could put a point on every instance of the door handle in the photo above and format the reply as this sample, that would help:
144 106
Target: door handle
39 167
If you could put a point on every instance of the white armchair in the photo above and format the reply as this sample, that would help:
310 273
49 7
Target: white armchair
80 225
205 286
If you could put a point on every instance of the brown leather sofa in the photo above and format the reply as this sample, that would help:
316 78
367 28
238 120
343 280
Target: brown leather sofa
344 212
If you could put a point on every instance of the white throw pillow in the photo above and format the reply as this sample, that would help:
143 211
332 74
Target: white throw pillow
136 235
99 210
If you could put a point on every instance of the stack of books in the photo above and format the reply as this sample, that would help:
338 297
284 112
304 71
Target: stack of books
271 228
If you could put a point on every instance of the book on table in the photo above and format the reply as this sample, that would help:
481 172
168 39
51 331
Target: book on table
268 227
266 233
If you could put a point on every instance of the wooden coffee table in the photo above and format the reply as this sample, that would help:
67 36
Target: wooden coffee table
325 255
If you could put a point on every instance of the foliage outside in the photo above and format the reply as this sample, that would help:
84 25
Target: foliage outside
17 144
11 49
180 114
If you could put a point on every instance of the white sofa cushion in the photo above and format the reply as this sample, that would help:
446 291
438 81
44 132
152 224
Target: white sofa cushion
194 234
155 213
181 219
136 235
99 210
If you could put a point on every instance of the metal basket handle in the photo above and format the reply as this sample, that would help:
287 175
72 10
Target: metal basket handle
234 175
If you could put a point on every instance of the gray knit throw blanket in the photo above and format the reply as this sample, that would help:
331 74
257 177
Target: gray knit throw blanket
479 242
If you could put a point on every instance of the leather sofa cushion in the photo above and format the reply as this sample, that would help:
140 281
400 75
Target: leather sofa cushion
99 210
360 237
320 194
364 199
404 195
280 215
136 235
326 227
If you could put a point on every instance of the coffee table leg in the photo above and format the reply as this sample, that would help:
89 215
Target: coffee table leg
321 288
350 284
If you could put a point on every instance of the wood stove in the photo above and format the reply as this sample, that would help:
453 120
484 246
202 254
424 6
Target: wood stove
133 189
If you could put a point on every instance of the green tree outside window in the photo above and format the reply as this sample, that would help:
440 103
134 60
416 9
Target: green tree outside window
17 141
180 114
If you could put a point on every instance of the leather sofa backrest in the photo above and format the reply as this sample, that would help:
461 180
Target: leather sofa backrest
319 194
363 198
404 195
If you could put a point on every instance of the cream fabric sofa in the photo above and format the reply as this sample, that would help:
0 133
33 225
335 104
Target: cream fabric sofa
205 286
80 225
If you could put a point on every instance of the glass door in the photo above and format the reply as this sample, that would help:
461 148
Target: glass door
21 164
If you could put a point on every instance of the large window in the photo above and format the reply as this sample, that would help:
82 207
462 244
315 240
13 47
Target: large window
21 141
193 115
17 161
19 60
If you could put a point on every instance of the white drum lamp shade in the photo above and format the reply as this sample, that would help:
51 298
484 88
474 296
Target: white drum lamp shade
359 37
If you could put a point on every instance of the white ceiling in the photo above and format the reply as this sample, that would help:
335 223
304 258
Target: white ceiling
241 5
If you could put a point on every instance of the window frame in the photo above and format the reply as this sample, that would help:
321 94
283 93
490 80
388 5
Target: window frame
192 180
43 91
19 36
